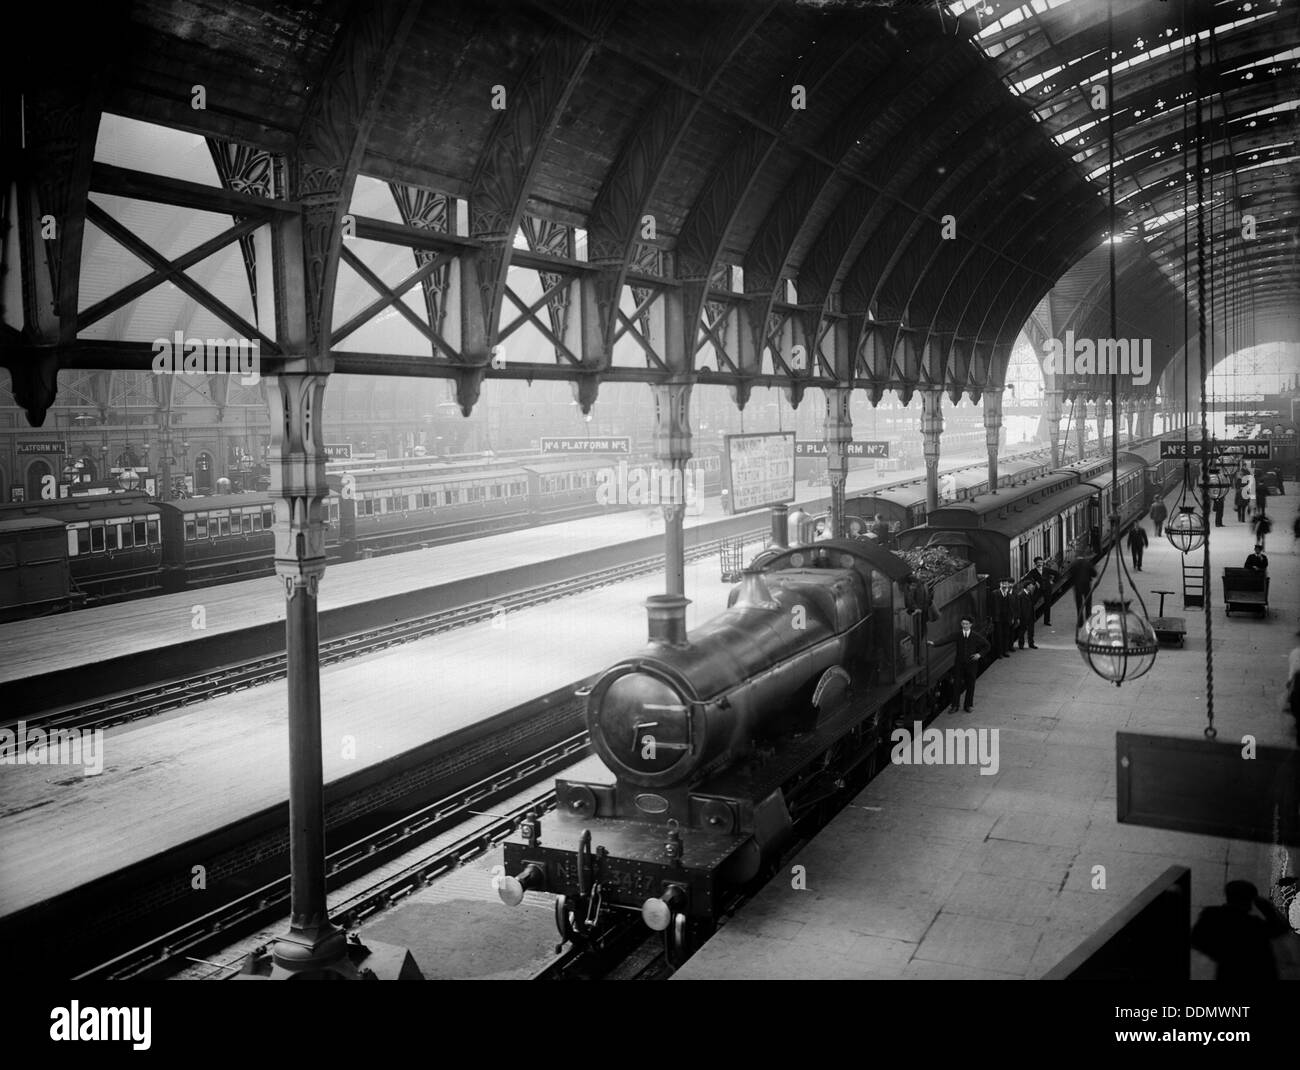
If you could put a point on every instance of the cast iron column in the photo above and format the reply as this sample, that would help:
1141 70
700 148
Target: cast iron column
931 429
299 488
1052 402
992 430
838 434
672 437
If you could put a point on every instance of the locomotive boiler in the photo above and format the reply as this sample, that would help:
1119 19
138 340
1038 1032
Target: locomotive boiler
718 743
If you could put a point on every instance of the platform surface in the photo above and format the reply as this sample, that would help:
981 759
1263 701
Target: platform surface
937 871
171 778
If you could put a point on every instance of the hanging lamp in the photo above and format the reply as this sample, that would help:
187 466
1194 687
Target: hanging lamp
1116 642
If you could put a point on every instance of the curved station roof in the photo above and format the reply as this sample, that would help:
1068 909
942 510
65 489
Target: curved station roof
865 193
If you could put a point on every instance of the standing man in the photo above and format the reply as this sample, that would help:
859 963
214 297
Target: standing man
880 529
970 645
1081 576
1239 497
1218 510
1025 602
1158 514
1043 577
1137 543
1003 609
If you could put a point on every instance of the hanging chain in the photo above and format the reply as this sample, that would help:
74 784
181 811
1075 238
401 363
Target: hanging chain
1210 732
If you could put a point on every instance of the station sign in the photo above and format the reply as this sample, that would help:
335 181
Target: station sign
47 445
1252 449
758 470
338 451
606 444
855 449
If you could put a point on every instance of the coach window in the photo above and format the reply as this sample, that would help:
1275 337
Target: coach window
125 537
201 522
83 540
268 518
190 530
225 525
96 540
140 536
152 529
246 522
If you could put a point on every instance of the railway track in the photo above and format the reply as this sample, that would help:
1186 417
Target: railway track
168 953
132 705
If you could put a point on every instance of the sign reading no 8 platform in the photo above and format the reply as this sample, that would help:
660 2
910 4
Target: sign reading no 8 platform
1254 449
759 470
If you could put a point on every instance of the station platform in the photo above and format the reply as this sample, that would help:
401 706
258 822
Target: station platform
938 871
171 778
72 641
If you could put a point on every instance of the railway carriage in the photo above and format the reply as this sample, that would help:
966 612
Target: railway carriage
34 576
903 505
223 538
394 507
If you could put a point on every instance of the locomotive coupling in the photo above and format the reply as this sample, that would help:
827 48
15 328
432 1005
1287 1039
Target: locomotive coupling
511 889
658 913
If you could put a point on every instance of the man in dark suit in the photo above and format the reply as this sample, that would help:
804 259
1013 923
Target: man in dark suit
1258 560
1043 577
1003 608
1137 543
1081 576
970 646
1025 625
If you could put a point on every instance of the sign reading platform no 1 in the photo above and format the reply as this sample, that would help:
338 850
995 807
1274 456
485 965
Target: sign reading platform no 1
758 470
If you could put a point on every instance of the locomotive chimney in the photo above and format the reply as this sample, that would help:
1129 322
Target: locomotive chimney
667 613
753 592
780 526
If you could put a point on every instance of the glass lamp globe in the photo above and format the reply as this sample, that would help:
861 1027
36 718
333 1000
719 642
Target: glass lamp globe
1117 643
1186 531
1220 483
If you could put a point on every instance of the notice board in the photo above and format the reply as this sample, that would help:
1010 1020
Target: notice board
758 470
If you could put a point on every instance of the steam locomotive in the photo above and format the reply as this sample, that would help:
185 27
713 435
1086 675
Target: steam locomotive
719 743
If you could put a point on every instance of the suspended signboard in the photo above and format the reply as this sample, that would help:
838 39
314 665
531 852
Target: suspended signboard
1232 789
1254 449
758 470
339 451
854 449
587 445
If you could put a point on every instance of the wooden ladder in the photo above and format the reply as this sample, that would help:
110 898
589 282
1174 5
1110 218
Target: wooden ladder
1193 584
